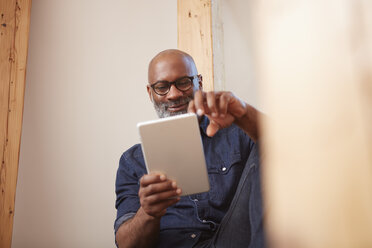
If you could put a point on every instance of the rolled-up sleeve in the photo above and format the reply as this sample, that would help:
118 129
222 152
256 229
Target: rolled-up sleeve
131 169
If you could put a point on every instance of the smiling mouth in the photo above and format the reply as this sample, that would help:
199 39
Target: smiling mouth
177 108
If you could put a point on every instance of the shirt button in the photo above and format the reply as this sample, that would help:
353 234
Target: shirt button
223 169
193 235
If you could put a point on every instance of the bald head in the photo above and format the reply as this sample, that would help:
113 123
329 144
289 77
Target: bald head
173 65
170 62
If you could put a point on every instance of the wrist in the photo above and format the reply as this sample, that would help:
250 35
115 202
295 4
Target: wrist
249 122
243 116
146 217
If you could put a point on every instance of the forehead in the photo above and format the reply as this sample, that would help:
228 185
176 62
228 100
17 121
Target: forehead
170 67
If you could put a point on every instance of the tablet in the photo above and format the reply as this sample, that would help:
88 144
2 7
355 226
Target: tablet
173 146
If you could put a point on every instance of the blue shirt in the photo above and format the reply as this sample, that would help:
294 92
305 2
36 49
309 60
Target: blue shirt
197 215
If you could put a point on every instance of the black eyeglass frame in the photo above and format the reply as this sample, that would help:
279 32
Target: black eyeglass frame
173 83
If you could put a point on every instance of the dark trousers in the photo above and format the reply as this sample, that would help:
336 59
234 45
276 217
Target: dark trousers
242 226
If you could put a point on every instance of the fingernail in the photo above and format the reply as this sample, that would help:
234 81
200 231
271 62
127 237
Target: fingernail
199 112
178 191
174 184
162 177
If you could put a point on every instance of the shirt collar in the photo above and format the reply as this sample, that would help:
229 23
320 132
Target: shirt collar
204 124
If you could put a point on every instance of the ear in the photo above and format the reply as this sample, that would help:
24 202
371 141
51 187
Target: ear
200 79
149 92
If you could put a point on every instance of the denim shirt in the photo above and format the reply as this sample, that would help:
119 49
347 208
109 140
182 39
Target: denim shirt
226 154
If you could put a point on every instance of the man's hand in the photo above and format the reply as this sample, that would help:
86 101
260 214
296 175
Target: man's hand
157 193
224 108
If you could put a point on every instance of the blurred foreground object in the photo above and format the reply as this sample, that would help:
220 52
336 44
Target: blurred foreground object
314 67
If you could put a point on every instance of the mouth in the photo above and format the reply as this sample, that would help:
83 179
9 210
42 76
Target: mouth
177 108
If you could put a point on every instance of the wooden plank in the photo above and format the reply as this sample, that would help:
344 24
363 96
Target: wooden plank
15 21
195 37
314 61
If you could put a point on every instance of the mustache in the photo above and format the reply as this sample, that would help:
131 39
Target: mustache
178 102
161 108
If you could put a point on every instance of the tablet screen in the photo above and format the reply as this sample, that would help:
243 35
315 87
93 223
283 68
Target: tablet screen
173 146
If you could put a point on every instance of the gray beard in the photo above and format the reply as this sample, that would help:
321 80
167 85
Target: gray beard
161 108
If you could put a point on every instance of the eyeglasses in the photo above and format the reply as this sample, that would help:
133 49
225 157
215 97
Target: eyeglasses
183 84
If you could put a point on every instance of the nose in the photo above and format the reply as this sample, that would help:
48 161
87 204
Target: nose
174 93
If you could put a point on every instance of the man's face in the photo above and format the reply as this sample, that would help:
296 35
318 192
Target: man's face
170 68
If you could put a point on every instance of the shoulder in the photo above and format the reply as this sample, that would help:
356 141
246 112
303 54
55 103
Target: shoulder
135 152
132 161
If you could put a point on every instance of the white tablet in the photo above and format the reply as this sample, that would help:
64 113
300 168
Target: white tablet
174 147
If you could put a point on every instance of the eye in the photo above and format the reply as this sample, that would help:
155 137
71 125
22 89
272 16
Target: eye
184 82
161 86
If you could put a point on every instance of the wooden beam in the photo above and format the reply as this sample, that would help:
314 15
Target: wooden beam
314 61
14 32
200 34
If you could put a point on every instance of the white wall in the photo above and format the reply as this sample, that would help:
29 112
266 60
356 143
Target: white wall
85 92
239 72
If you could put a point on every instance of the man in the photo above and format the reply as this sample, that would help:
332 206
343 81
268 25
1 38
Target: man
150 211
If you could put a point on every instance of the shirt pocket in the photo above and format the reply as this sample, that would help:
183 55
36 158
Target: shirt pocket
224 175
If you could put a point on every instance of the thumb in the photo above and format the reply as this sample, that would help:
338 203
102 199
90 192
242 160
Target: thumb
212 128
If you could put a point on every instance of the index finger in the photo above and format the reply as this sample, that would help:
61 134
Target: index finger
199 102
152 178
